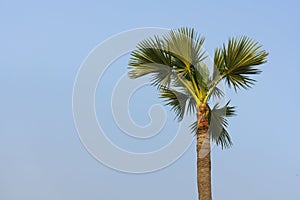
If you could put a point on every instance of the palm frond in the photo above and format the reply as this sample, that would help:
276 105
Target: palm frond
177 52
202 74
217 93
178 102
185 45
194 127
151 50
238 61
219 123
224 139
150 58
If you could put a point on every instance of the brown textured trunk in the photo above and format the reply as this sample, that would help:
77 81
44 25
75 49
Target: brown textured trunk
203 155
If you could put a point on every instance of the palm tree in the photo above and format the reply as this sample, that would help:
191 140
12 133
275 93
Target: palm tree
176 63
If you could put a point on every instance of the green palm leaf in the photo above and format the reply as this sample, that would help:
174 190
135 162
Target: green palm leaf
217 93
150 58
237 61
185 45
172 59
218 124
178 102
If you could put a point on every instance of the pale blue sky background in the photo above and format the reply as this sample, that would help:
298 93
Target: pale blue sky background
42 45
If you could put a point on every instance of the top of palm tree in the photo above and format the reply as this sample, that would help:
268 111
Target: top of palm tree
176 64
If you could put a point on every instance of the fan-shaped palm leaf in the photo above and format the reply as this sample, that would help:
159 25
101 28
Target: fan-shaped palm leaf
178 102
238 60
185 45
218 124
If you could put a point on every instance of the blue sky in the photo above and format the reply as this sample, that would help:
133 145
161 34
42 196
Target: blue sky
42 47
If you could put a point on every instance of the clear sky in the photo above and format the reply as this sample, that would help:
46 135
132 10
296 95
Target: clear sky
42 45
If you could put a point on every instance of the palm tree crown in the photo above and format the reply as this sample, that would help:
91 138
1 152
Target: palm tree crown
175 62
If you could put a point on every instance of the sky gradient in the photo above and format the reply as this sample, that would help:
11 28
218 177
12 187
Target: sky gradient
42 47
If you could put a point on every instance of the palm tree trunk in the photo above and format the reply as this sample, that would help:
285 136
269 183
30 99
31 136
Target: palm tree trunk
203 155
